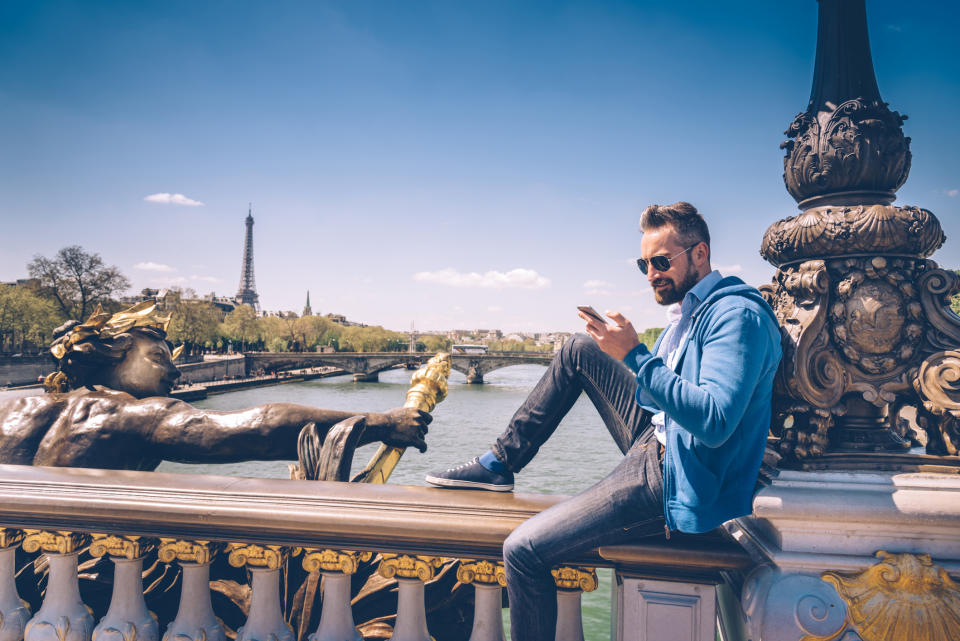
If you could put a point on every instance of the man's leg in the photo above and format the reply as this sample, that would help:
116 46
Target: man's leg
627 504
579 366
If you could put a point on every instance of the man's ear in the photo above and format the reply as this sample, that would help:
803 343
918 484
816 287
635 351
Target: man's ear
701 255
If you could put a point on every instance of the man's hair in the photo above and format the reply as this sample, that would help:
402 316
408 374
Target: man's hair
683 217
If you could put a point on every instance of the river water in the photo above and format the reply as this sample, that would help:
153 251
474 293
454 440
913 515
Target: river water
580 453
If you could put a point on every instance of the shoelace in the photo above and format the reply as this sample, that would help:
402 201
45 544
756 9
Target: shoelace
463 465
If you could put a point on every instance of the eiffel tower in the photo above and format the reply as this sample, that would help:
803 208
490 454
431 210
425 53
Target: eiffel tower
247 294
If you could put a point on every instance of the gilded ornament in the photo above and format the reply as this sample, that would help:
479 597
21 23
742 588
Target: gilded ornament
575 578
201 552
904 597
482 571
10 537
428 386
127 547
258 556
409 567
54 542
345 561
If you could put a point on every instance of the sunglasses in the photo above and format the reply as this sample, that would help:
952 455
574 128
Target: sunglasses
660 263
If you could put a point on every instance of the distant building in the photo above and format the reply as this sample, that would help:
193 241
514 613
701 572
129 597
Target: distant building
33 284
307 310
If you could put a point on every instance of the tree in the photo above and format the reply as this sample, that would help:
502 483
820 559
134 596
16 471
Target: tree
241 325
434 343
194 323
649 336
25 318
77 280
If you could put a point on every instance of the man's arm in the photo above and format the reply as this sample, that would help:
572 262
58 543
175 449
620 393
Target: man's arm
733 358
181 432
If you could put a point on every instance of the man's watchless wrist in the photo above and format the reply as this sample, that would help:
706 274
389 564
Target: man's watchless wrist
635 355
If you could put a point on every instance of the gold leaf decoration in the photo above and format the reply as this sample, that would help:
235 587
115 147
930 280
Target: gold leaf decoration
346 561
575 578
258 556
482 571
409 567
904 597
127 547
9 538
54 541
187 551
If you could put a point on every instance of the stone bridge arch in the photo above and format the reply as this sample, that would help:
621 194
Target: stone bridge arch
475 366
367 366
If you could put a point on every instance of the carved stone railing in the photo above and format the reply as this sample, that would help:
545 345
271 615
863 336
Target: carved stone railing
330 529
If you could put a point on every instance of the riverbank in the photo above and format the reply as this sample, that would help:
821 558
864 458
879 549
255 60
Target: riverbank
200 391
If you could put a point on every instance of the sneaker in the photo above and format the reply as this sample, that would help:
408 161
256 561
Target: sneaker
472 475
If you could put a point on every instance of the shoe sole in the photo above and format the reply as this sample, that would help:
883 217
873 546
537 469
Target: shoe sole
467 485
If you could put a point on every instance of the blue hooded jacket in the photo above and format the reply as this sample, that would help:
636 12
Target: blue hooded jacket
717 406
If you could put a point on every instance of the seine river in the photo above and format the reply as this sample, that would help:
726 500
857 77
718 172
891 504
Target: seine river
580 453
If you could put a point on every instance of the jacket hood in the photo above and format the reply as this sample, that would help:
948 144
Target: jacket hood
733 286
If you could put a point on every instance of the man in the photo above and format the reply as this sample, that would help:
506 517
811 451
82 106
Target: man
691 418
108 408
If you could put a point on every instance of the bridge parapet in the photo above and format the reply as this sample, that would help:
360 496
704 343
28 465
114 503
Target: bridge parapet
420 533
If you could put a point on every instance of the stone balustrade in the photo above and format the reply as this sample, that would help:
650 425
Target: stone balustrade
329 529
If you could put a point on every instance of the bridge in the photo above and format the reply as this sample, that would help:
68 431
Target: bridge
366 366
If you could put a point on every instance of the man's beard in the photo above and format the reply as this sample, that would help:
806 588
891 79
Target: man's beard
674 293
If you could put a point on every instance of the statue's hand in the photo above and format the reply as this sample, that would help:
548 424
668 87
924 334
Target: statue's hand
406 427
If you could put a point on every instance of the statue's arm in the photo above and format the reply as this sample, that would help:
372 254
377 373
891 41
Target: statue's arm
181 432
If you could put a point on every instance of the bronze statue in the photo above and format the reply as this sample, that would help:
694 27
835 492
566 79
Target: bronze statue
107 407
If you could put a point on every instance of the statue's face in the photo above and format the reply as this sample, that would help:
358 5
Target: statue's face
146 369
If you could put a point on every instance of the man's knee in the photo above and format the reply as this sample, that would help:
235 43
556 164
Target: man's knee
578 344
518 550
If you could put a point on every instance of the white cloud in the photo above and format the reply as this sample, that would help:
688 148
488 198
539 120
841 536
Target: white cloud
206 279
154 267
521 278
173 199
953 192
729 269
597 284
494 308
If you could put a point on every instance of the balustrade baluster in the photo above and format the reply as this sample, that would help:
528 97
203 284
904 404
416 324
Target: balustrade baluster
62 616
14 613
336 615
411 572
487 578
571 582
265 621
127 618
195 620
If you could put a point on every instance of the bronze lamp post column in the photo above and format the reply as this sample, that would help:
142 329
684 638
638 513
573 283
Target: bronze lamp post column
865 315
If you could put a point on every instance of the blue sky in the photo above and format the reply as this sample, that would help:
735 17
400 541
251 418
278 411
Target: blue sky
448 164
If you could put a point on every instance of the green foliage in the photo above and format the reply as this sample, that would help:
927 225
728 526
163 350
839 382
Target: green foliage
434 343
192 322
77 281
26 318
649 336
955 301
526 345
241 326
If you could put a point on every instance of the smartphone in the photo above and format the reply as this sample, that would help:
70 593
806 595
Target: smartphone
592 313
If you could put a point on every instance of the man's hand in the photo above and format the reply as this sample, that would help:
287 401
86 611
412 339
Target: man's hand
406 427
616 340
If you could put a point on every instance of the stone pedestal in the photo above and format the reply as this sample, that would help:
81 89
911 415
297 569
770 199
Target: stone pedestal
851 555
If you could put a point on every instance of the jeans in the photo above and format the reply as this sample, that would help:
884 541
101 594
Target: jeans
627 504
